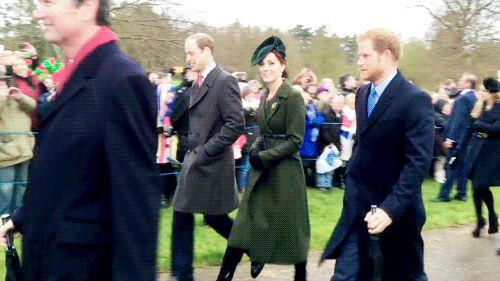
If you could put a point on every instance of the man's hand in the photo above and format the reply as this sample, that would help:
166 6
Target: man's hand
448 143
3 232
30 49
15 93
378 221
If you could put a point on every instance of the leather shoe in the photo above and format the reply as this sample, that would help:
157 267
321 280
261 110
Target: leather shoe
477 231
439 199
188 278
256 268
458 198
493 225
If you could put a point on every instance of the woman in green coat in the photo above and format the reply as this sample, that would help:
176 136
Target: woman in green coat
272 225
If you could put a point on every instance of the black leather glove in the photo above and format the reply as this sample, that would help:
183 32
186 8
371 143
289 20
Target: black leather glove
255 161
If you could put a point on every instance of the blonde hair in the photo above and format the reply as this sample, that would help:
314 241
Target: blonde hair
350 100
382 40
305 71
203 40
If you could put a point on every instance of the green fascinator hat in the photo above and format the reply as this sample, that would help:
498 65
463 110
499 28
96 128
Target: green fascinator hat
272 43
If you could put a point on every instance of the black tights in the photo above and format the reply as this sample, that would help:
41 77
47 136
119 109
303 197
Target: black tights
300 271
480 195
233 256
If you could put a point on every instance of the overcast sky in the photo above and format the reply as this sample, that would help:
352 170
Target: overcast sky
344 17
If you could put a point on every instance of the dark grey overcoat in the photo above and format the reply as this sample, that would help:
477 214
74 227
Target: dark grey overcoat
207 183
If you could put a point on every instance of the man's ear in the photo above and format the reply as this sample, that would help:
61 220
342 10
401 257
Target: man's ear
89 10
207 50
388 56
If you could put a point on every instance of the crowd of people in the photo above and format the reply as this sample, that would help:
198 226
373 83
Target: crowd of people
329 130
103 139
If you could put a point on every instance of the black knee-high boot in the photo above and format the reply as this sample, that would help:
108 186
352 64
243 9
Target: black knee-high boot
477 195
492 216
231 259
300 271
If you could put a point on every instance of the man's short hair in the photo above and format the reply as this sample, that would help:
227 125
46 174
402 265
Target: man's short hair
103 13
382 40
344 78
448 82
203 40
471 78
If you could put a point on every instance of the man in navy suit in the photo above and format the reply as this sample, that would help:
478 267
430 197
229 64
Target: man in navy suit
457 138
392 156
91 208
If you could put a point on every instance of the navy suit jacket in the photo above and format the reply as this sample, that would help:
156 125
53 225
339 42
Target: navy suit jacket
460 119
93 195
392 156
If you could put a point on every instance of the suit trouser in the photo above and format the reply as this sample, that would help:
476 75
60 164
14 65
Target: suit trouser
457 174
354 263
348 263
182 240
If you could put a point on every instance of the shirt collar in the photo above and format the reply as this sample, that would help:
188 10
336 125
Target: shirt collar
381 87
103 36
465 91
208 69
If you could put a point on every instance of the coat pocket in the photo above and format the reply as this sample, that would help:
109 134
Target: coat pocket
81 233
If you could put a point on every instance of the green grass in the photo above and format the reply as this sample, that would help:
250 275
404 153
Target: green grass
324 211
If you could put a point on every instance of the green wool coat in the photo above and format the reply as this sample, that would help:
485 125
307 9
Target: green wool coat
273 220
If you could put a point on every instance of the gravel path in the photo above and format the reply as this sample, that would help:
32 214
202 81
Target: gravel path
450 254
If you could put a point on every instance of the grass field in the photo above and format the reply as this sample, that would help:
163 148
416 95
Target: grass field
324 211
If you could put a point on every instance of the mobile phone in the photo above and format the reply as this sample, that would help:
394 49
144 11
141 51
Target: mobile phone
174 162
8 80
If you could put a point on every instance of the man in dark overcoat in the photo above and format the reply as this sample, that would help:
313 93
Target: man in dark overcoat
392 156
91 208
457 139
207 182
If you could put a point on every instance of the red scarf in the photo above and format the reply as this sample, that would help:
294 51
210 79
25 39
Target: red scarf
103 36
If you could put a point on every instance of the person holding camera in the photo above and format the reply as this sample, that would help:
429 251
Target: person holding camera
16 144
17 65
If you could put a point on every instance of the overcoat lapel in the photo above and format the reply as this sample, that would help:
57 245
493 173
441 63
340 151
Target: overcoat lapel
208 82
361 113
79 80
383 103
73 87
282 94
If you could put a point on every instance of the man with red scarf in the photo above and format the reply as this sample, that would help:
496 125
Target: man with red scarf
91 209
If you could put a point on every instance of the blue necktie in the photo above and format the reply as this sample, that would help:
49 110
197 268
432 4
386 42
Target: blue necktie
372 101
